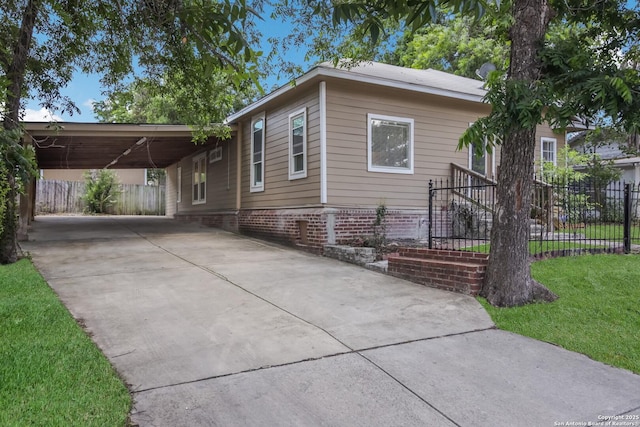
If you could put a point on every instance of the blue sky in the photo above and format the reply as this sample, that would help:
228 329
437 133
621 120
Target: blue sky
85 88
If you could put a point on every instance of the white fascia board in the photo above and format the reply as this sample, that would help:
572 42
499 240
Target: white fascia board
273 95
627 161
347 75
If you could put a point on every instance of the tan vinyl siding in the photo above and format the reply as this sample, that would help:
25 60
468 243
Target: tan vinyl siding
279 191
221 182
171 190
439 122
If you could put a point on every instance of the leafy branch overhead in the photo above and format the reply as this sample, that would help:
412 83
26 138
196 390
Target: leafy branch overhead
161 37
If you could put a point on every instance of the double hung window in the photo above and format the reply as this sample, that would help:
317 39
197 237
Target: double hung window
390 144
298 144
200 179
257 154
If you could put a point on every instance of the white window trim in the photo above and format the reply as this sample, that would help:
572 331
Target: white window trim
555 149
179 189
259 187
197 159
303 173
386 169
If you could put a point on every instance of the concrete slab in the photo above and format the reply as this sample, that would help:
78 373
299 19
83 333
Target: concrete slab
337 391
93 257
361 308
501 379
69 228
170 326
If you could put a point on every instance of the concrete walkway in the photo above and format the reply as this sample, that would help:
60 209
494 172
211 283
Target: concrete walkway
210 328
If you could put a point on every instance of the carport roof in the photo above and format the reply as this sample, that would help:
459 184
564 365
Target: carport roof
68 145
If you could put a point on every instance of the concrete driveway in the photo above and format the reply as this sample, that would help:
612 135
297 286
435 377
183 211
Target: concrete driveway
210 328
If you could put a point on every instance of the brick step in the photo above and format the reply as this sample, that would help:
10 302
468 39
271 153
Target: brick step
444 255
455 271
435 263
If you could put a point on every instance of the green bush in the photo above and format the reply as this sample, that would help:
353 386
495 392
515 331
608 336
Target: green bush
101 190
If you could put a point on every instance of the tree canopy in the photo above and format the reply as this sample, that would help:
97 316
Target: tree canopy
172 41
456 44
168 101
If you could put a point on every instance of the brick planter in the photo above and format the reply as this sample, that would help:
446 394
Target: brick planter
455 271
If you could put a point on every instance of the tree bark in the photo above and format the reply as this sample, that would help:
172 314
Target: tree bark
508 280
16 74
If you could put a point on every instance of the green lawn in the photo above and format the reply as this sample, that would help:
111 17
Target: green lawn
51 373
612 232
536 247
597 314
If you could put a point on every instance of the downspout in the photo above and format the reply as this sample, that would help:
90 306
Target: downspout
239 167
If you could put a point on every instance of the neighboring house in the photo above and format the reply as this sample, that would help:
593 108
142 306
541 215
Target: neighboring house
628 165
125 176
310 163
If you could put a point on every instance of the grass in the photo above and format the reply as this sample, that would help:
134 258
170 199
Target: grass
536 247
51 373
612 232
597 314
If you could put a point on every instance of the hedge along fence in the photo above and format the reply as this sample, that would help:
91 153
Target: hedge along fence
65 197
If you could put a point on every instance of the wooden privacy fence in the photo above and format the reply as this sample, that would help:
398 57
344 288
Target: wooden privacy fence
65 197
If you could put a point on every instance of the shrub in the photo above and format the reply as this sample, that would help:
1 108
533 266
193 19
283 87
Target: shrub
101 190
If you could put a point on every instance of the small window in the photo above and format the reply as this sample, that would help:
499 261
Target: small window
179 189
548 153
478 162
200 179
215 155
390 144
257 154
298 144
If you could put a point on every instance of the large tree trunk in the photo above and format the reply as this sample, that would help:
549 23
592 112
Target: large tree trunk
508 281
15 74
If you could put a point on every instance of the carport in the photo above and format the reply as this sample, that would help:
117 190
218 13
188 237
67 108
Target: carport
67 145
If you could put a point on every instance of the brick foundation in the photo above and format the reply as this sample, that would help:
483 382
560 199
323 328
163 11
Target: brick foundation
349 224
305 228
312 228
225 220
455 271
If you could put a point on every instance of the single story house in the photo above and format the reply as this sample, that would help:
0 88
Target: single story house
309 163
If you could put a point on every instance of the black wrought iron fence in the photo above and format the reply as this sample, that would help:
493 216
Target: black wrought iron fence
569 217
